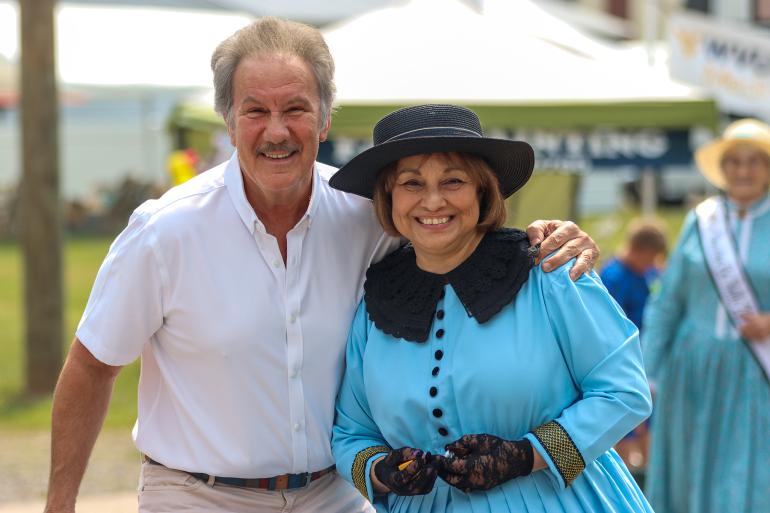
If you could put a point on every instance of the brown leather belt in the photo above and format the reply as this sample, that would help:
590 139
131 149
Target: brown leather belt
282 482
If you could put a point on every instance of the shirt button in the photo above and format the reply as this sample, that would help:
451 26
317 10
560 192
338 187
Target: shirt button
437 413
439 354
433 391
439 333
440 314
435 371
296 426
276 263
293 317
442 431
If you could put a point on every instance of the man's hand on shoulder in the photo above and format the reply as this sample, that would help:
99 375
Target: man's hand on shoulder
566 240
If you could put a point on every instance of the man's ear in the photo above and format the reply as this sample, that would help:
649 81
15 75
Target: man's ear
230 130
325 130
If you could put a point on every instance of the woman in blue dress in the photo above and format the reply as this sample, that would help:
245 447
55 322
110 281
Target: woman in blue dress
710 434
475 382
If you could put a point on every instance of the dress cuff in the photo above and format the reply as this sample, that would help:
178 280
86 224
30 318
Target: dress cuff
561 450
360 469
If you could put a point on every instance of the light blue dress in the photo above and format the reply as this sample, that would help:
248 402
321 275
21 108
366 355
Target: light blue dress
560 351
711 428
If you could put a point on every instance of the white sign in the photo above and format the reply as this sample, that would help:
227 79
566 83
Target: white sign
730 60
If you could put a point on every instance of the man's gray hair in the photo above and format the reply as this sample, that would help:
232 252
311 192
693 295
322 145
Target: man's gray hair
272 36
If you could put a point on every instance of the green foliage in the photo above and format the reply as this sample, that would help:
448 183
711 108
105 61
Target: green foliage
82 258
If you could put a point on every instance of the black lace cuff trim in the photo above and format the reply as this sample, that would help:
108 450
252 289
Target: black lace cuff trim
401 298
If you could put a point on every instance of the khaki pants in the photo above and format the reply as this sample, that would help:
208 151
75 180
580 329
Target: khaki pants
163 490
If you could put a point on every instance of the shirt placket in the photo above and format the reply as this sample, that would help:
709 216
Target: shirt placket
294 346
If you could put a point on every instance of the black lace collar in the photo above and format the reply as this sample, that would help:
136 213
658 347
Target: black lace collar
401 298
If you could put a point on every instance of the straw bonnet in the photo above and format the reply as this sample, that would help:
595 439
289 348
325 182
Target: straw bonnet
434 129
709 156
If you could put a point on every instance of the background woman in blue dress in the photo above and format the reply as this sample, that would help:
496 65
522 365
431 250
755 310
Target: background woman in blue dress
710 437
461 342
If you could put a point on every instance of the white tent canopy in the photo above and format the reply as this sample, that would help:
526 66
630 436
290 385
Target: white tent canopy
124 46
511 51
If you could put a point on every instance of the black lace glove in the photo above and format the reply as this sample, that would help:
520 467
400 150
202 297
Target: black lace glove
481 462
416 478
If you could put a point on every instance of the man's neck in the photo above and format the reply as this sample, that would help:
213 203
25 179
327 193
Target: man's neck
279 212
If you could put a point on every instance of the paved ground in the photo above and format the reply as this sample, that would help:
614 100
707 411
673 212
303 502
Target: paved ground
110 503
108 487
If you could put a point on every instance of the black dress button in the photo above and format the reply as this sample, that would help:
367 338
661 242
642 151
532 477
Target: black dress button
439 354
441 296
442 431
433 391
435 371
440 314
437 413
439 333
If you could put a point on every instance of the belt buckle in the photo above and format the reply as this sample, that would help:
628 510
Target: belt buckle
300 480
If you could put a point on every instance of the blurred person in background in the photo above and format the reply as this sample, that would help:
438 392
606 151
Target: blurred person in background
707 336
237 289
463 344
629 275
628 278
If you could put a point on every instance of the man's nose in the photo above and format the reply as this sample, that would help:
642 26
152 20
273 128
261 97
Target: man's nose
276 130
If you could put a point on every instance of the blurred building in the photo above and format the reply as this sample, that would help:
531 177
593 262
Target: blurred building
722 46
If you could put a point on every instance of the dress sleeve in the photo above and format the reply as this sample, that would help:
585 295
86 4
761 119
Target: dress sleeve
601 349
356 439
666 305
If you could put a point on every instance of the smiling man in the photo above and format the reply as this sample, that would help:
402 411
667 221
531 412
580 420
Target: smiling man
237 289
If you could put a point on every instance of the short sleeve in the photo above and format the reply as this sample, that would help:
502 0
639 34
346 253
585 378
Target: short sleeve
125 307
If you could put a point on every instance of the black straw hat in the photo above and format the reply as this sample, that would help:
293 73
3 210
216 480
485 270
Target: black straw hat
434 129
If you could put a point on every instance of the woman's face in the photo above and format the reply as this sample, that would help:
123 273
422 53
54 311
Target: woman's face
746 169
435 205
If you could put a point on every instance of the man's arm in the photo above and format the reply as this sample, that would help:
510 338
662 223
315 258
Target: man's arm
79 406
569 240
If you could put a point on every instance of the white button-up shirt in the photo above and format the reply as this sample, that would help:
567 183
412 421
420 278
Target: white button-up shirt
241 355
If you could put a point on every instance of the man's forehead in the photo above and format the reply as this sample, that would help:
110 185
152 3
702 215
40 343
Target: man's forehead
285 77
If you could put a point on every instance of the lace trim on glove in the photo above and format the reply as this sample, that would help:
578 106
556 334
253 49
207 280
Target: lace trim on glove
561 449
358 470
401 298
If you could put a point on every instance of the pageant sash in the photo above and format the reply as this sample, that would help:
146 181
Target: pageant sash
727 271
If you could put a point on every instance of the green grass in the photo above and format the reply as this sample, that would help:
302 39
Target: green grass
82 258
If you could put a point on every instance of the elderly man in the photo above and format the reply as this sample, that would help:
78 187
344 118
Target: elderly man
237 289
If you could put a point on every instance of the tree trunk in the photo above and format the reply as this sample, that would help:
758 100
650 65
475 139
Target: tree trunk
41 231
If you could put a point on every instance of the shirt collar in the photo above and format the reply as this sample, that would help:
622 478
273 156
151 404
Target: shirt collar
234 184
401 298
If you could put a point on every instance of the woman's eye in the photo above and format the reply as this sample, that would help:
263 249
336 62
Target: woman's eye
454 183
411 185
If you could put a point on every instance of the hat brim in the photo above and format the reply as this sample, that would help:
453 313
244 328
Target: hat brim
511 161
709 158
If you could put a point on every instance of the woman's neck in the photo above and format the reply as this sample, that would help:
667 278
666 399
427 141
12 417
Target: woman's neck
442 263
743 205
